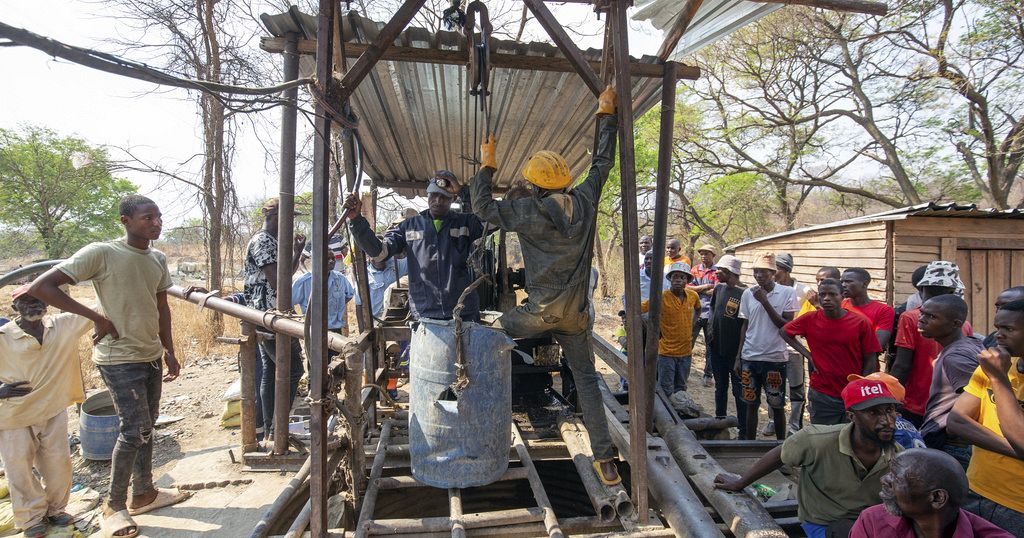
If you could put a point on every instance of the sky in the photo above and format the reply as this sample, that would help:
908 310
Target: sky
158 124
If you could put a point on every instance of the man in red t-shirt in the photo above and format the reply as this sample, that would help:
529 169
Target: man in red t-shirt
855 290
843 343
915 354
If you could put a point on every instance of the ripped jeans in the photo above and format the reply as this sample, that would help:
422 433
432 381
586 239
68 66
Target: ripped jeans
135 389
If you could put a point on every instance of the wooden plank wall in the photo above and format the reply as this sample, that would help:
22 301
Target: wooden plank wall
861 245
990 253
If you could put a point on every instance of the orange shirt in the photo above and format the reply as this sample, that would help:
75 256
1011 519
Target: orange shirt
676 339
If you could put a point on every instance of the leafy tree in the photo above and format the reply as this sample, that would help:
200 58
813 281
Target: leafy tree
41 188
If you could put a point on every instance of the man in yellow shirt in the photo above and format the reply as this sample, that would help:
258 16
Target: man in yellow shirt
674 253
40 377
989 415
680 307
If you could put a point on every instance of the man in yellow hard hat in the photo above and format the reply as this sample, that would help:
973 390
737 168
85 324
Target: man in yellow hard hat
556 229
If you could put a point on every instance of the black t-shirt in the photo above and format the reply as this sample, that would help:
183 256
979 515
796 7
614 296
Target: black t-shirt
724 336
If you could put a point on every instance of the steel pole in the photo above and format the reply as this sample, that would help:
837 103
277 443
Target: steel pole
319 480
285 238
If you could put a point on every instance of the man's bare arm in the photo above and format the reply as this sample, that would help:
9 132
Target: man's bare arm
963 423
46 288
771 461
902 364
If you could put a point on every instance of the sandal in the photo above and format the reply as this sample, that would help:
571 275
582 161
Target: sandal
62 519
119 525
611 479
36 531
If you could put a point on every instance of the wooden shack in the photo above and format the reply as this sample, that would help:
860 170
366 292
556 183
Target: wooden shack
987 244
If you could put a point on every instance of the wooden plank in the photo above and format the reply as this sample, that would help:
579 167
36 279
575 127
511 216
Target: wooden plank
980 228
974 243
1016 267
673 36
905 239
919 258
824 243
998 279
963 260
947 248
460 57
978 284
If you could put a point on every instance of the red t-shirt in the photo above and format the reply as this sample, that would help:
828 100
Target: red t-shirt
880 314
926 350
837 346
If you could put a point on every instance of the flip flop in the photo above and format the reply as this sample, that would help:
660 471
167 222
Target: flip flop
616 479
62 519
117 522
36 531
164 497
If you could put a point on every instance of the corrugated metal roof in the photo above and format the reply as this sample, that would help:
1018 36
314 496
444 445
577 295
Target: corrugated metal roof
415 118
714 20
930 209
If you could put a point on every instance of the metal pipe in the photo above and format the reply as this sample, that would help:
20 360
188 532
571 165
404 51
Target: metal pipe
455 512
273 322
298 527
601 497
27 271
744 515
247 369
630 237
550 521
477 520
370 499
285 237
677 501
279 504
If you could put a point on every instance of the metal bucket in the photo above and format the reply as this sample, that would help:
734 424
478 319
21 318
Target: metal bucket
98 427
462 442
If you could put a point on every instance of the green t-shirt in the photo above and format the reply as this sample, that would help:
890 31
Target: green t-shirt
437 225
127 281
833 483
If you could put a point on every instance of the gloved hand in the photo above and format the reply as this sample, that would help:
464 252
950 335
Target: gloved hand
487 154
606 101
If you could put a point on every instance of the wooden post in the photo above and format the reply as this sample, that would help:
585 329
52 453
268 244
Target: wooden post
673 36
371 55
247 373
627 173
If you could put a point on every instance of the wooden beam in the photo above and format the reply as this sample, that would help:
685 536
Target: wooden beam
849 6
373 53
673 36
457 57
566 45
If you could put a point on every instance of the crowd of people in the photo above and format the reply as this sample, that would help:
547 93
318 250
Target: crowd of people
907 408
927 442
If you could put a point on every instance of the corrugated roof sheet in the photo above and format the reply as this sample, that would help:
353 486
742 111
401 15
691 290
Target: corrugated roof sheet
930 209
714 19
415 118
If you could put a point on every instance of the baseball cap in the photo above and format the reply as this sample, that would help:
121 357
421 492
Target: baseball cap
730 263
784 260
444 183
682 267
765 260
861 394
894 385
707 247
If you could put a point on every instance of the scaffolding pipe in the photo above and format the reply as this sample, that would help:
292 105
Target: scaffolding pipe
279 504
247 368
677 501
455 512
365 520
550 521
270 321
744 515
285 239
606 499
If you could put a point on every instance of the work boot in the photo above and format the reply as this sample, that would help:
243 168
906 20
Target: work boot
607 472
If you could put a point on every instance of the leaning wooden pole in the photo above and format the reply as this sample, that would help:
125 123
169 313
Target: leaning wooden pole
319 406
627 175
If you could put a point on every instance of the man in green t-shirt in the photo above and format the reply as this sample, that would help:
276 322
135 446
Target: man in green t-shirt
841 466
133 334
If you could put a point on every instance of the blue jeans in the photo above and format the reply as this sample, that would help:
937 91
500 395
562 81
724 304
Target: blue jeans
135 389
268 350
673 373
813 530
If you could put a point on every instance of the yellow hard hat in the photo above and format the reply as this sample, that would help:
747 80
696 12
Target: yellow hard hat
547 170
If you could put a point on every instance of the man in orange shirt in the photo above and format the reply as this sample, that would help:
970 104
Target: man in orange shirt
680 307
674 253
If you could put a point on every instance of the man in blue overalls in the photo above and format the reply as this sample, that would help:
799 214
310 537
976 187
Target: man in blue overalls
437 243
556 228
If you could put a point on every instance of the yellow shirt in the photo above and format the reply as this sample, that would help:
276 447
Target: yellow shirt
994 476
127 281
681 258
51 369
676 338
805 308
